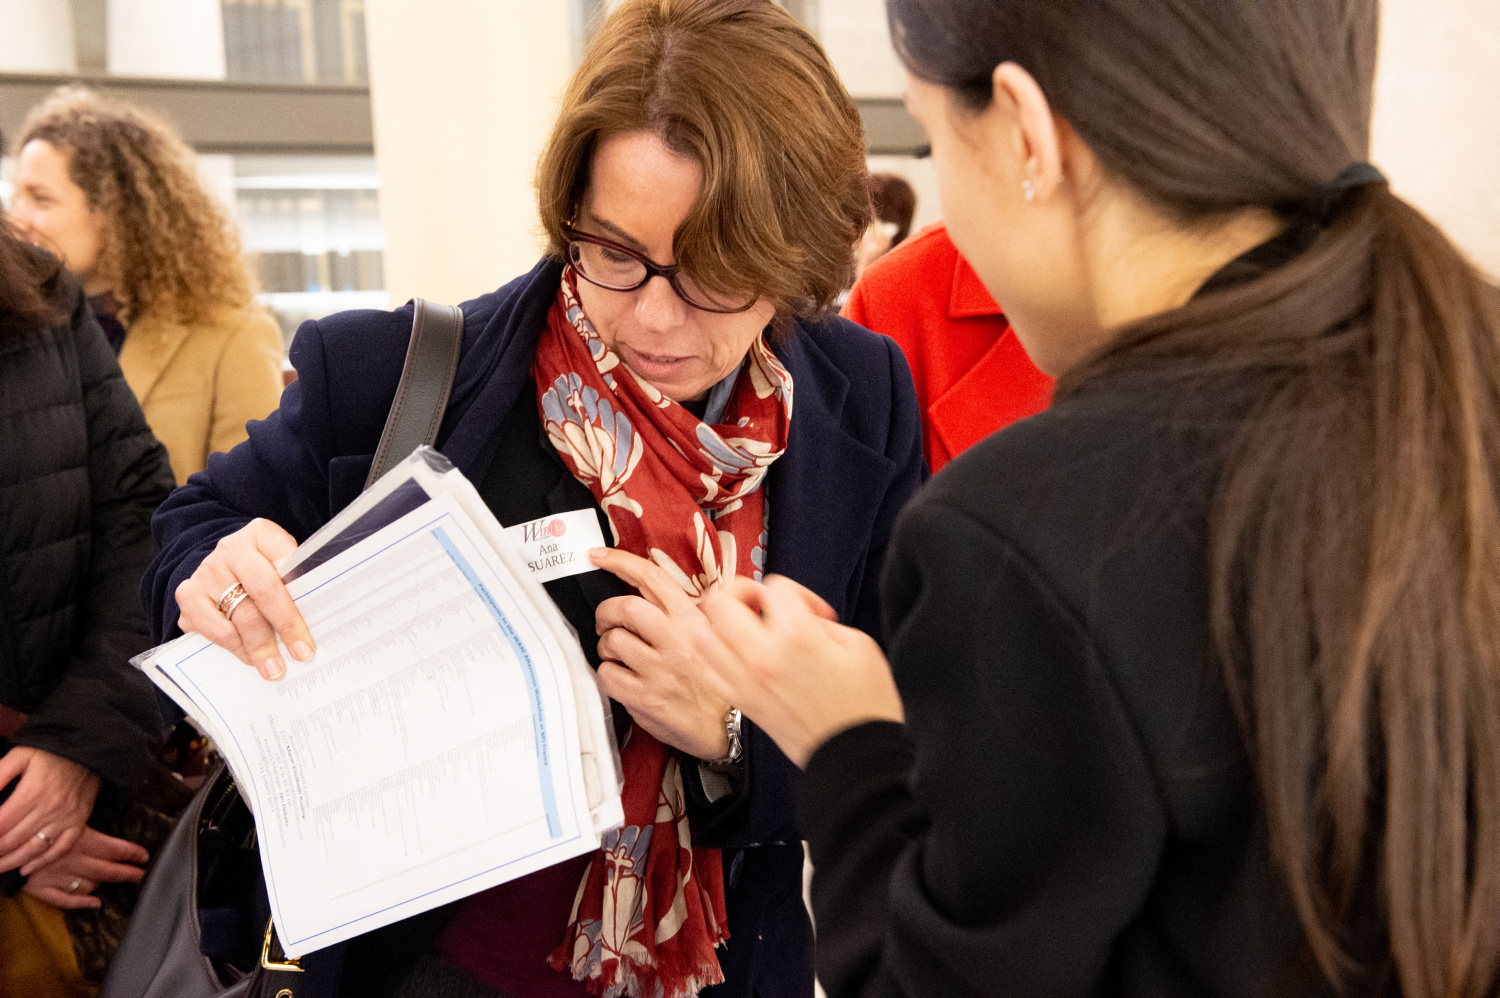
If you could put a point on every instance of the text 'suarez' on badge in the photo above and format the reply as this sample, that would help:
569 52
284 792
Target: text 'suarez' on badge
557 546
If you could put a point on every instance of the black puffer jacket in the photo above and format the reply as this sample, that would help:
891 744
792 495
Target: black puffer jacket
80 474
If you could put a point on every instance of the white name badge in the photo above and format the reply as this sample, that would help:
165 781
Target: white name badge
555 547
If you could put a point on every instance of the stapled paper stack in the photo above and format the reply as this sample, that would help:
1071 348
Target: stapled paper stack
447 737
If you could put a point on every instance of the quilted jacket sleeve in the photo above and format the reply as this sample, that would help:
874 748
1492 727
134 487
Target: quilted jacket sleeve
103 713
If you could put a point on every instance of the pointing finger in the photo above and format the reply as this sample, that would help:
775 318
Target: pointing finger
649 578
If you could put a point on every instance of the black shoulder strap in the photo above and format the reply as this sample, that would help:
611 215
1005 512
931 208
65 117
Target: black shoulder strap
422 397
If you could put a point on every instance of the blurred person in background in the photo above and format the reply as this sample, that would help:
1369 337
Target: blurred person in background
1200 667
702 192
114 193
80 477
895 204
973 375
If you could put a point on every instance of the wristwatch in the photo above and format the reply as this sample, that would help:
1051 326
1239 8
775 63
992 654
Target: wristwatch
732 723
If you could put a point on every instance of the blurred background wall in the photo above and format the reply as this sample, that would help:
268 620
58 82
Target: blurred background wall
376 149
1437 115
463 94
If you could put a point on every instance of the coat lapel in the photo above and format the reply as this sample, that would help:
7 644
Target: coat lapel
149 347
1002 387
967 295
494 367
825 491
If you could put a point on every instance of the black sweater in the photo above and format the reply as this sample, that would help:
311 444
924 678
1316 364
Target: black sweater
1070 809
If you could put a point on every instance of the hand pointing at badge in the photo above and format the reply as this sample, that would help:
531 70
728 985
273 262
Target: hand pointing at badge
650 664
774 650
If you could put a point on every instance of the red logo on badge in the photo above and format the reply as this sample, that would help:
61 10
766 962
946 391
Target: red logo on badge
557 528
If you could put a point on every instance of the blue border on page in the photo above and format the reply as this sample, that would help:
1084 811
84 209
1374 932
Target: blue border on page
533 691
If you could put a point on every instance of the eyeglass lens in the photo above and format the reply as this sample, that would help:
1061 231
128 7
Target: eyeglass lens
609 268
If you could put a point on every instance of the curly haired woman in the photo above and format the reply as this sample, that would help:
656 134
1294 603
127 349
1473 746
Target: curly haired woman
116 195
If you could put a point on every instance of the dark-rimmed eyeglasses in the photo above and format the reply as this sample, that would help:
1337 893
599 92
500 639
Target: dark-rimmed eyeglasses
619 268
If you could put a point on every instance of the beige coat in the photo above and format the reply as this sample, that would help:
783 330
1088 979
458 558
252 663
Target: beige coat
199 385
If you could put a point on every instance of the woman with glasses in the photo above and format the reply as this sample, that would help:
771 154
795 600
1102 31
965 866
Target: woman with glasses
673 365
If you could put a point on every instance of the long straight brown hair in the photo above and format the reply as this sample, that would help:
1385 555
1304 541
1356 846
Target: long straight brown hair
1355 537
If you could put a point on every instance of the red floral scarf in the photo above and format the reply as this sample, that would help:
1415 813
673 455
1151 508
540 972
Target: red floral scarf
686 495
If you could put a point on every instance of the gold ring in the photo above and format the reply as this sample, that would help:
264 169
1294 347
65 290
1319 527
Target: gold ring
74 885
234 605
44 837
228 598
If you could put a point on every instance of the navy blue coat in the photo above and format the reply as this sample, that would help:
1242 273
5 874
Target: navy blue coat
853 459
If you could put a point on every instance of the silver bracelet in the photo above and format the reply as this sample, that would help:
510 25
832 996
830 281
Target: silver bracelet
732 723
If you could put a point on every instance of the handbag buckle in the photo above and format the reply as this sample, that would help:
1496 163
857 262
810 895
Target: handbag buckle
286 963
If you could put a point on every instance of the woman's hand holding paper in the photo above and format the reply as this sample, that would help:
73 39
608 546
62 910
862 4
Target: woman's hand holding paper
247 557
650 662
776 650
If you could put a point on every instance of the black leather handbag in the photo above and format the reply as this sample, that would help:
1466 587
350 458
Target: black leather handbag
202 927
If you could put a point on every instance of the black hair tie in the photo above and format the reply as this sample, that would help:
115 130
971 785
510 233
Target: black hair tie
1326 201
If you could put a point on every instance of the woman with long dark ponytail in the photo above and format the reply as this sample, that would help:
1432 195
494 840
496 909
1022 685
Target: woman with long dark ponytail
1200 669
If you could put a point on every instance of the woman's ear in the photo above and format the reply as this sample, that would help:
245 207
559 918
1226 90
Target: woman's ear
1040 142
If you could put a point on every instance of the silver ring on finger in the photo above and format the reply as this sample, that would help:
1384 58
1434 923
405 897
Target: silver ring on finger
45 838
230 600
74 885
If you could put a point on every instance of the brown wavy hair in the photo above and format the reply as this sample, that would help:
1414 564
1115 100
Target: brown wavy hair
1355 534
169 248
29 284
742 88
29 280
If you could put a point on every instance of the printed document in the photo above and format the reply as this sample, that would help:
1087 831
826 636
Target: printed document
446 737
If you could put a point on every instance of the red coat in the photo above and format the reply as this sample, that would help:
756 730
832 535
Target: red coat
972 375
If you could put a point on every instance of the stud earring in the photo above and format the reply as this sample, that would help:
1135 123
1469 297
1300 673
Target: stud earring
1030 190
